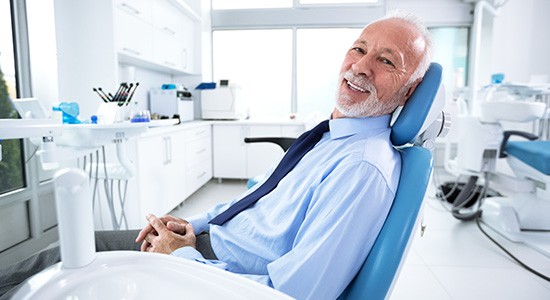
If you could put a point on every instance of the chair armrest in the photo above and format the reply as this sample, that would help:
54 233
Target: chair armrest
508 134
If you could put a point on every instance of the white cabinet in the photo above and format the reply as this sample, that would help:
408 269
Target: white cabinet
156 34
133 34
233 158
171 164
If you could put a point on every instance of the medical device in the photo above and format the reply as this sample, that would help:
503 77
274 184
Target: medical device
523 215
171 102
223 103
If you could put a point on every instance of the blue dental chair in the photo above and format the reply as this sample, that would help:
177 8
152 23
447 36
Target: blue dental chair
380 270
413 133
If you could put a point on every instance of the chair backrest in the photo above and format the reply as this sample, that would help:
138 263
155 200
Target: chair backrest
376 277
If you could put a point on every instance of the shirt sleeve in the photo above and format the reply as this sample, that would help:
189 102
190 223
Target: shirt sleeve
200 221
343 219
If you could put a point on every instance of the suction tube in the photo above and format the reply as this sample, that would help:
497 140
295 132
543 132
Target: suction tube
75 218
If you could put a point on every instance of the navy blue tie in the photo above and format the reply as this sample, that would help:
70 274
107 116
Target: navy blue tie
299 148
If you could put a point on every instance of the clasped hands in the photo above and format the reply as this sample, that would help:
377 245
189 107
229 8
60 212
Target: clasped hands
166 234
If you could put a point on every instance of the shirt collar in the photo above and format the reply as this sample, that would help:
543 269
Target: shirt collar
342 127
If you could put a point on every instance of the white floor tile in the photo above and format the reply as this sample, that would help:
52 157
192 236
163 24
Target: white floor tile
489 283
418 282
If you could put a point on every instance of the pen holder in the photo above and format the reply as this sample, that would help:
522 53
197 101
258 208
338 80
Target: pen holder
109 113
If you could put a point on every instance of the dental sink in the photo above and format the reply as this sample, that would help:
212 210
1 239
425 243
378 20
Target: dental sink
513 111
84 274
138 275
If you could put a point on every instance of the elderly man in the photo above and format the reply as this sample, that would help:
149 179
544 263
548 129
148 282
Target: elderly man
308 234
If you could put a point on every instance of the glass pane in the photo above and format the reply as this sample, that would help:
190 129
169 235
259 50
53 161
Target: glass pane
11 166
451 51
245 4
260 62
320 55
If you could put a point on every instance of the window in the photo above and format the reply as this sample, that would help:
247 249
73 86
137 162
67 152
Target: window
301 73
11 167
320 53
260 62
451 51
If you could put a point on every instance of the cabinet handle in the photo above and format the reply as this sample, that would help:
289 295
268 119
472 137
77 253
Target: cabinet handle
201 175
167 150
200 151
170 31
169 63
132 51
130 8
200 132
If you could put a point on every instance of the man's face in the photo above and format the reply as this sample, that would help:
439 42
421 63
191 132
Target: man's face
376 69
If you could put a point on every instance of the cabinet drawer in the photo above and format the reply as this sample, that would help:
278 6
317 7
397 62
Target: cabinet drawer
198 151
198 175
198 133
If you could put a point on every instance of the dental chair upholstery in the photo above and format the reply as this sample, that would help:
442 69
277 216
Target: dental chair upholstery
377 276
379 271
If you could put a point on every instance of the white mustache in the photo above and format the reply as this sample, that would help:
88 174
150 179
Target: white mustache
359 81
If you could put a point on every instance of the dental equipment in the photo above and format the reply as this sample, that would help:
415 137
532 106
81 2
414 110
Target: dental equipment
85 274
523 214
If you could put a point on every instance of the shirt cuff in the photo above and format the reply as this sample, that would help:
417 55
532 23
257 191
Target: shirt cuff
187 252
199 222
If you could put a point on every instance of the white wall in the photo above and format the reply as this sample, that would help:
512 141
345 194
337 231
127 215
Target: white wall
521 43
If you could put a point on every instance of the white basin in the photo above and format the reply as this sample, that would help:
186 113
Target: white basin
139 275
513 111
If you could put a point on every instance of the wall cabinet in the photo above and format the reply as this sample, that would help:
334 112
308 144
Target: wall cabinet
156 34
95 38
233 158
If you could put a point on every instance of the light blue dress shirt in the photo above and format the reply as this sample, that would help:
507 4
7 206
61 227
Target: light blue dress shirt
310 235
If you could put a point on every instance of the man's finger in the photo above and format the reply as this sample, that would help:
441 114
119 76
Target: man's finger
156 223
141 235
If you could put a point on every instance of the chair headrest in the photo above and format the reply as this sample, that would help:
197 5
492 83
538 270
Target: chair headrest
421 109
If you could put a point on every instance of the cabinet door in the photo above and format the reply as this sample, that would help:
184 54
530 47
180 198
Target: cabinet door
292 131
162 172
262 156
168 51
133 35
229 151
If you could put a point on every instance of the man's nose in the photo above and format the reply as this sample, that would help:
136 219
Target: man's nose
363 66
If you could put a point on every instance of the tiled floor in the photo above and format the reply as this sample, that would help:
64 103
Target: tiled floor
453 260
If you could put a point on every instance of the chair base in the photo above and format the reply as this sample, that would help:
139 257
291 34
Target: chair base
522 219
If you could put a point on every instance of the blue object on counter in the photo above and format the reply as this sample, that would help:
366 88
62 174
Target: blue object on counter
93 119
141 116
168 86
70 112
497 78
206 86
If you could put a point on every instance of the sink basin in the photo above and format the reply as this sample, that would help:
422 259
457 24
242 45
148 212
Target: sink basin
139 275
513 111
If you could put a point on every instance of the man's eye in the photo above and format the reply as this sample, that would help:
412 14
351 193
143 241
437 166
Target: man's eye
387 61
358 49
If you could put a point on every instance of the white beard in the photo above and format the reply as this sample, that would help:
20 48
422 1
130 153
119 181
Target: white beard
369 107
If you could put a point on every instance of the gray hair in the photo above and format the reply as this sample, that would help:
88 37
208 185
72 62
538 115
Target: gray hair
421 27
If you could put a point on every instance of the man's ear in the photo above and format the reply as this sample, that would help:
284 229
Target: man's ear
411 90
